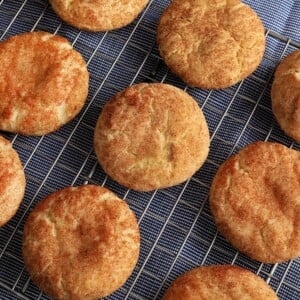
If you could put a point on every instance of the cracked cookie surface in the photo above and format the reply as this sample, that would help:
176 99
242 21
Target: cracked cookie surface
151 136
211 44
98 15
255 200
12 181
285 95
81 243
43 83
224 282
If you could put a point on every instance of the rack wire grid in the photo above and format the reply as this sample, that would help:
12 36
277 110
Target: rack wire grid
177 229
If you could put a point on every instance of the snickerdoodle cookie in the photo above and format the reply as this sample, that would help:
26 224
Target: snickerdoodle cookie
255 200
98 15
12 181
219 282
151 136
43 83
285 95
81 243
211 43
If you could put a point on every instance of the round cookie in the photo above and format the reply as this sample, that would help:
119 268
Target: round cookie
211 44
151 136
81 243
285 95
224 282
98 15
43 83
254 199
12 181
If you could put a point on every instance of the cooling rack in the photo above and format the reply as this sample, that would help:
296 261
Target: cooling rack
177 229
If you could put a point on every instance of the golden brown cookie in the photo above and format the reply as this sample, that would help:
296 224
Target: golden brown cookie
285 95
12 181
81 243
255 200
219 282
211 44
43 83
98 15
151 136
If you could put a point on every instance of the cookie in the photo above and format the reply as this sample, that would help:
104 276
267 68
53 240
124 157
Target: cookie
211 44
285 95
254 199
151 136
12 181
81 243
43 83
99 15
219 282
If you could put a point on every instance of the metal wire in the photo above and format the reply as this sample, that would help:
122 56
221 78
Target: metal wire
164 254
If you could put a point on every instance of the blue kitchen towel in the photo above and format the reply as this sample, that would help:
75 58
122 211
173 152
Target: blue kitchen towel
177 229
279 16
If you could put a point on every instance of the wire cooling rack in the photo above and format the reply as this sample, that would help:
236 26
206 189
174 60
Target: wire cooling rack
177 229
